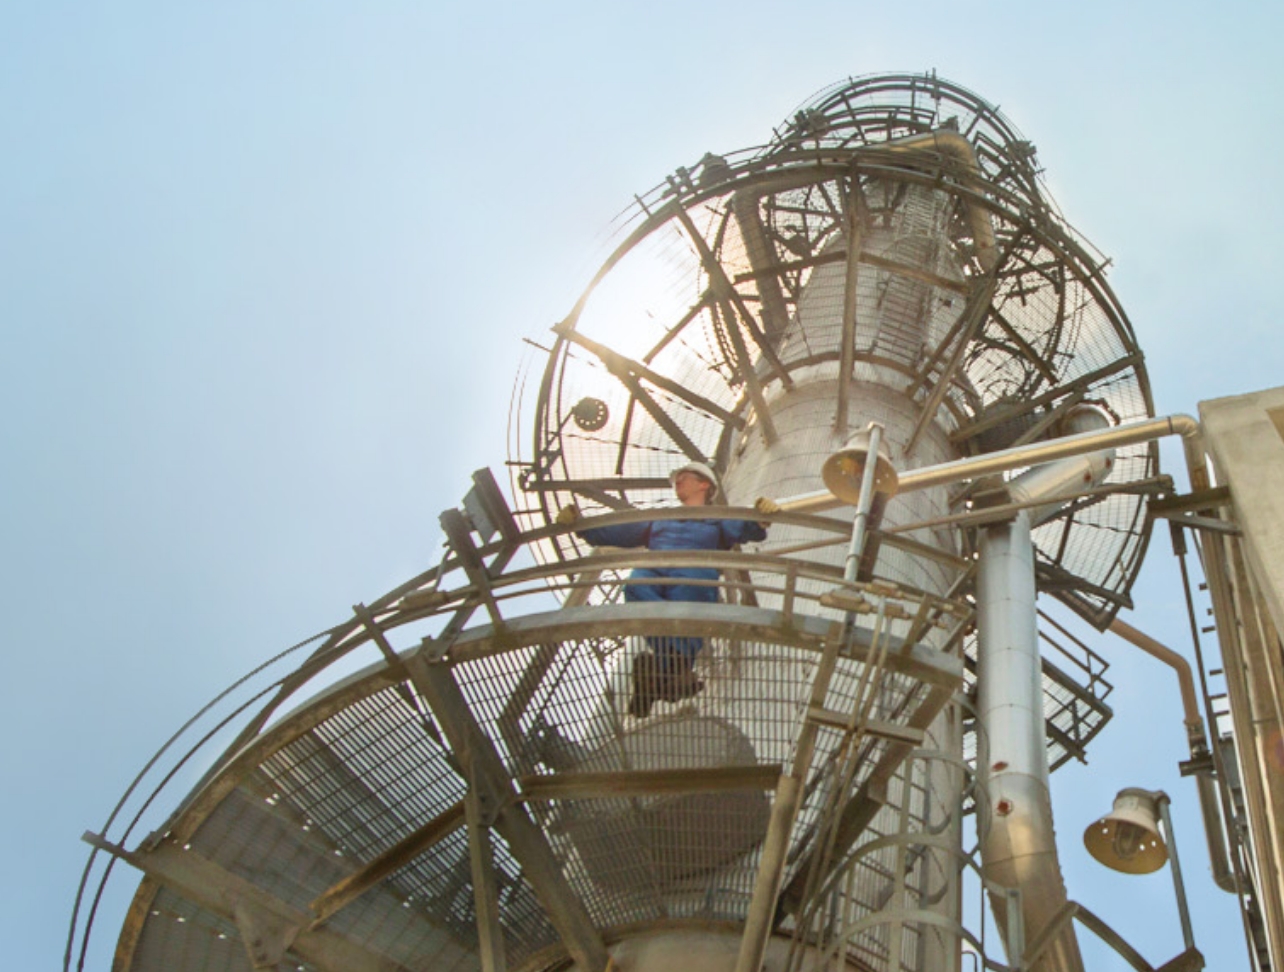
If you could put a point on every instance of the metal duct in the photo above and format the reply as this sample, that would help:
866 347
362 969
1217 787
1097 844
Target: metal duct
1069 475
1018 845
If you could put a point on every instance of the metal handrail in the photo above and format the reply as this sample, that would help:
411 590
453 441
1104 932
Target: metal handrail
396 609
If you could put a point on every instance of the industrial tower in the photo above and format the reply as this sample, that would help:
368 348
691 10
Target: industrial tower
881 321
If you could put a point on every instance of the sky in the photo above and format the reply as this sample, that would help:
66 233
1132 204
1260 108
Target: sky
266 268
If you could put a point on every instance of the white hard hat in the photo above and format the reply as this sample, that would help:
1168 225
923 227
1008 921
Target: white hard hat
701 470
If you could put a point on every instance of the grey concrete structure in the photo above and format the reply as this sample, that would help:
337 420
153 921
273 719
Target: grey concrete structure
1244 438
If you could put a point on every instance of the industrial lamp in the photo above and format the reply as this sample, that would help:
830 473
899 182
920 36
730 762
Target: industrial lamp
844 469
849 475
1128 839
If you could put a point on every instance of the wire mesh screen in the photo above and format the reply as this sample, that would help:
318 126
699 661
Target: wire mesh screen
328 803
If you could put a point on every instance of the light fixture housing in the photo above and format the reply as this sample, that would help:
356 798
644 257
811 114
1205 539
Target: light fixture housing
1128 838
843 470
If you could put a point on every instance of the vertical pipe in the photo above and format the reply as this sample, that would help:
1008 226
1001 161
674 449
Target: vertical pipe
1018 847
860 525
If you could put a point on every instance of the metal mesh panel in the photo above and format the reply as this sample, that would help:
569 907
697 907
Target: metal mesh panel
269 836
367 778
180 935
647 857
367 775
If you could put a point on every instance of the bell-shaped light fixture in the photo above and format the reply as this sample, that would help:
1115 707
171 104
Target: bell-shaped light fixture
1128 839
843 470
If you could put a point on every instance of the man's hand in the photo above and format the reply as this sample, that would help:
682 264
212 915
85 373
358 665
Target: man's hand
766 506
567 515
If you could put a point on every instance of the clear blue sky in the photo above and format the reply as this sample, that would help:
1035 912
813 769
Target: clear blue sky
265 269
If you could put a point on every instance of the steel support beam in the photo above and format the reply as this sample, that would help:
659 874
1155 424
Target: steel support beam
270 926
639 783
405 851
481 762
480 811
620 366
725 290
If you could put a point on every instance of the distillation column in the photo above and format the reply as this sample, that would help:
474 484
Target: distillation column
480 795
890 258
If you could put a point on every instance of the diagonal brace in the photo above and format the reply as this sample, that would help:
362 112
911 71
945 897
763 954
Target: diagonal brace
481 763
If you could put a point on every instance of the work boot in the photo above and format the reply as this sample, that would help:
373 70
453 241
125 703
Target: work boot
679 681
646 685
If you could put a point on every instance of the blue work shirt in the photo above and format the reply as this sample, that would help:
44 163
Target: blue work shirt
676 534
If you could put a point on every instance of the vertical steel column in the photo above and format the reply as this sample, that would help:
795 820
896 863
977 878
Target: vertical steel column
480 762
479 812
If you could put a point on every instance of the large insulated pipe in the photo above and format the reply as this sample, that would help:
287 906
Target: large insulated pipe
1018 844
1068 476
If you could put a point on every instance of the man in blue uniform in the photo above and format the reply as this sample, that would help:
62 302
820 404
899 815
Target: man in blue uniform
666 672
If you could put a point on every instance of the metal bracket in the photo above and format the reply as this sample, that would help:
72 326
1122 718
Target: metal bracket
1209 523
489 800
267 937
1196 765
1203 500
434 649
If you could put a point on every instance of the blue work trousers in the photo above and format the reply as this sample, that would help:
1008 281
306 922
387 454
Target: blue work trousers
673 652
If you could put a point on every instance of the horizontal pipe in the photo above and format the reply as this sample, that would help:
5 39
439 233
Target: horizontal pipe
1004 460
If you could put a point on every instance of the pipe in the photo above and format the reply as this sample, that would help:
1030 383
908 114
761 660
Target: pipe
865 500
1209 804
1190 705
1067 476
1032 454
1018 845
955 146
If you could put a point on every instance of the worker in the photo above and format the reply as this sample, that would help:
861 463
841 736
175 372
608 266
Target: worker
666 671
